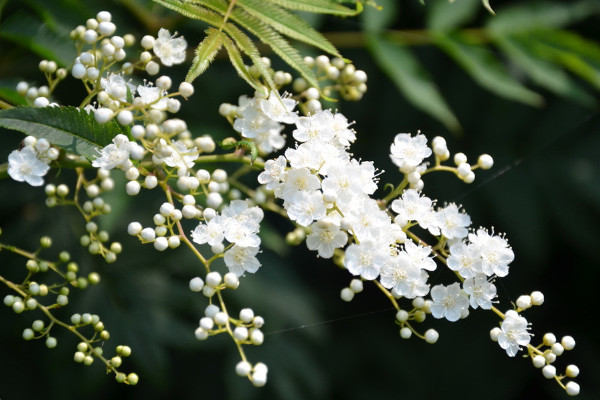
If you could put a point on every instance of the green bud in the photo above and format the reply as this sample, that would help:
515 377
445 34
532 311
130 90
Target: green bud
85 240
82 346
31 304
95 319
94 248
124 351
99 327
32 266
420 316
78 357
82 283
103 236
51 202
43 290
64 291
91 226
116 361
28 334
18 307
88 360
76 320
110 257
120 377
9 300
72 266
70 276
45 241
86 318
62 300
37 325
88 207
104 335
51 342
43 266
132 379
64 256
94 278
116 247
98 351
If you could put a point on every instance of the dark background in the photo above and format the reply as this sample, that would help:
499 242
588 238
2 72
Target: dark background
543 192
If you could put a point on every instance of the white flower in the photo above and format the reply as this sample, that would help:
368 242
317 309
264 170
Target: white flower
306 207
412 206
514 333
153 96
494 251
116 86
274 172
464 259
453 224
408 152
211 233
448 302
182 156
25 166
317 127
297 180
325 237
114 155
480 291
279 109
398 274
241 259
419 256
169 49
364 259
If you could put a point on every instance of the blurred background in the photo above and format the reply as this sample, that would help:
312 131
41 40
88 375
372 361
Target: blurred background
521 86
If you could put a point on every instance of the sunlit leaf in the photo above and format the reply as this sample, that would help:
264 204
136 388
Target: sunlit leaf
69 128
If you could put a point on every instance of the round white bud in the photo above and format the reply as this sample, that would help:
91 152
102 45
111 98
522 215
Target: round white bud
89 36
572 388
572 370
186 89
347 294
537 298
246 315
549 339
134 228
538 361
463 169
203 175
550 357
568 342
207 323
164 82
107 50
106 28
148 234
213 279
152 68
405 333
211 310
103 115
231 280
257 337
150 182
549 371
557 349
524 302
459 158
356 285
201 334
125 117
161 243
495 333
243 368
312 93
196 284
240 333
166 209
78 71
221 318
485 161
104 16
174 242
431 336
214 200
118 42
314 106
132 188
41 102
402 315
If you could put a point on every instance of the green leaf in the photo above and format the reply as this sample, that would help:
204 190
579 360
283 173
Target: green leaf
318 6
287 24
445 16
543 73
412 80
205 53
579 55
27 31
69 128
376 20
481 64
530 16
238 63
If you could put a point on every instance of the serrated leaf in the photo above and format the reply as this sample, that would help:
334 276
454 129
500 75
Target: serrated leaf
579 55
318 6
205 53
532 16
543 73
412 80
69 128
238 63
485 69
445 16
287 24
